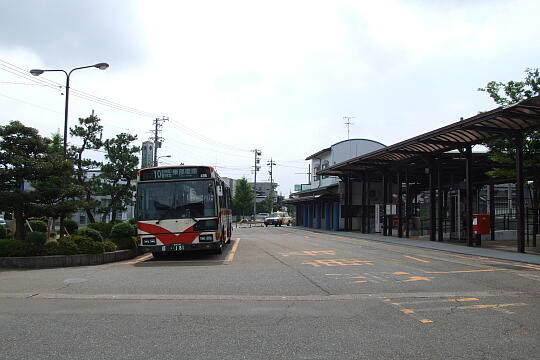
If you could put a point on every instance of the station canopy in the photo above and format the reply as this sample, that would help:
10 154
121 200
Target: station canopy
508 121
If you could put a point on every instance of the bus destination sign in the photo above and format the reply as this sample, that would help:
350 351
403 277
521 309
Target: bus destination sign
174 173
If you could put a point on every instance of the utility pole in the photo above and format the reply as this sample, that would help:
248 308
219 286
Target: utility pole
256 168
271 163
348 123
158 124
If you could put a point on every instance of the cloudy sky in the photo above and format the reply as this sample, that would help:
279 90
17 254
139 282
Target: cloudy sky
278 76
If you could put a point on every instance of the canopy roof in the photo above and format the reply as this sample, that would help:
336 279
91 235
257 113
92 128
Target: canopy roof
503 121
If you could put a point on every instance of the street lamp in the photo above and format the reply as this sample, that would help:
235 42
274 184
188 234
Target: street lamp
164 156
37 72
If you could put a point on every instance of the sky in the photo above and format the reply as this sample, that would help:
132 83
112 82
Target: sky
279 76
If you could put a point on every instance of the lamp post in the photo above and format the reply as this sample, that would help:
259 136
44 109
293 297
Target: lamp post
37 72
164 156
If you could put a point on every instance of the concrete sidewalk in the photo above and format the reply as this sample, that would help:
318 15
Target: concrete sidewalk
443 246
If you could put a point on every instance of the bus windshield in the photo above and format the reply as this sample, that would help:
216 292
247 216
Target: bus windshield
175 200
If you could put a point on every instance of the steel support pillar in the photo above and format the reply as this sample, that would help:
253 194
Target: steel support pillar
336 216
318 213
520 206
407 205
440 203
469 196
385 201
399 205
432 203
327 216
364 195
491 190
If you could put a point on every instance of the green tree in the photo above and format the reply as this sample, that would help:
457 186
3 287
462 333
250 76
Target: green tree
243 198
89 131
119 173
54 198
265 206
27 156
502 150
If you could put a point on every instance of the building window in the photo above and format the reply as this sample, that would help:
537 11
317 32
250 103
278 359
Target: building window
315 176
324 166
82 219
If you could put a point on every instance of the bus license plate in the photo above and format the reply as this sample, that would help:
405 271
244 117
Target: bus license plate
175 247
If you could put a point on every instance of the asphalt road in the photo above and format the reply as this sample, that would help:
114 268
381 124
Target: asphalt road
277 293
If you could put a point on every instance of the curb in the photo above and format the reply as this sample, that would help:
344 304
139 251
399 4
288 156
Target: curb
42 262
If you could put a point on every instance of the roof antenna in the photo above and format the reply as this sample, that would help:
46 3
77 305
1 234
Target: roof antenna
348 123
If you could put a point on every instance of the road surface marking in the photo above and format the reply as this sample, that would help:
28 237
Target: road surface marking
338 262
400 273
425 321
463 271
310 253
416 259
417 278
395 303
139 259
230 255
464 299
494 306
407 311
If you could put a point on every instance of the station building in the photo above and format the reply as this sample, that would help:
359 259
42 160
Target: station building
431 185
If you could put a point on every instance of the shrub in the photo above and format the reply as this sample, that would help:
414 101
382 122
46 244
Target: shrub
125 243
91 233
132 221
79 238
36 238
109 246
123 231
3 232
50 248
71 226
90 247
67 246
9 247
103 228
38 225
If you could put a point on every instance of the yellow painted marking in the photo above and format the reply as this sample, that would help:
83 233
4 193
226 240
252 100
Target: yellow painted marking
417 278
407 311
495 306
338 262
397 304
417 259
230 255
400 273
425 321
464 299
532 267
387 300
358 277
332 274
310 253
361 281
463 271
139 259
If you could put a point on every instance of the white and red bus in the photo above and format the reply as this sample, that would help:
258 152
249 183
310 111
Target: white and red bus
182 208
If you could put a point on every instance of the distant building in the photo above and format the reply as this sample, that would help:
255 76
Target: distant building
232 184
263 189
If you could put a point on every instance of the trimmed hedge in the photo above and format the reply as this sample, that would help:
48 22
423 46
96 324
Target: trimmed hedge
9 247
3 232
38 225
90 247
91 233
36 238
103 228
123 230
109 246
67 246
